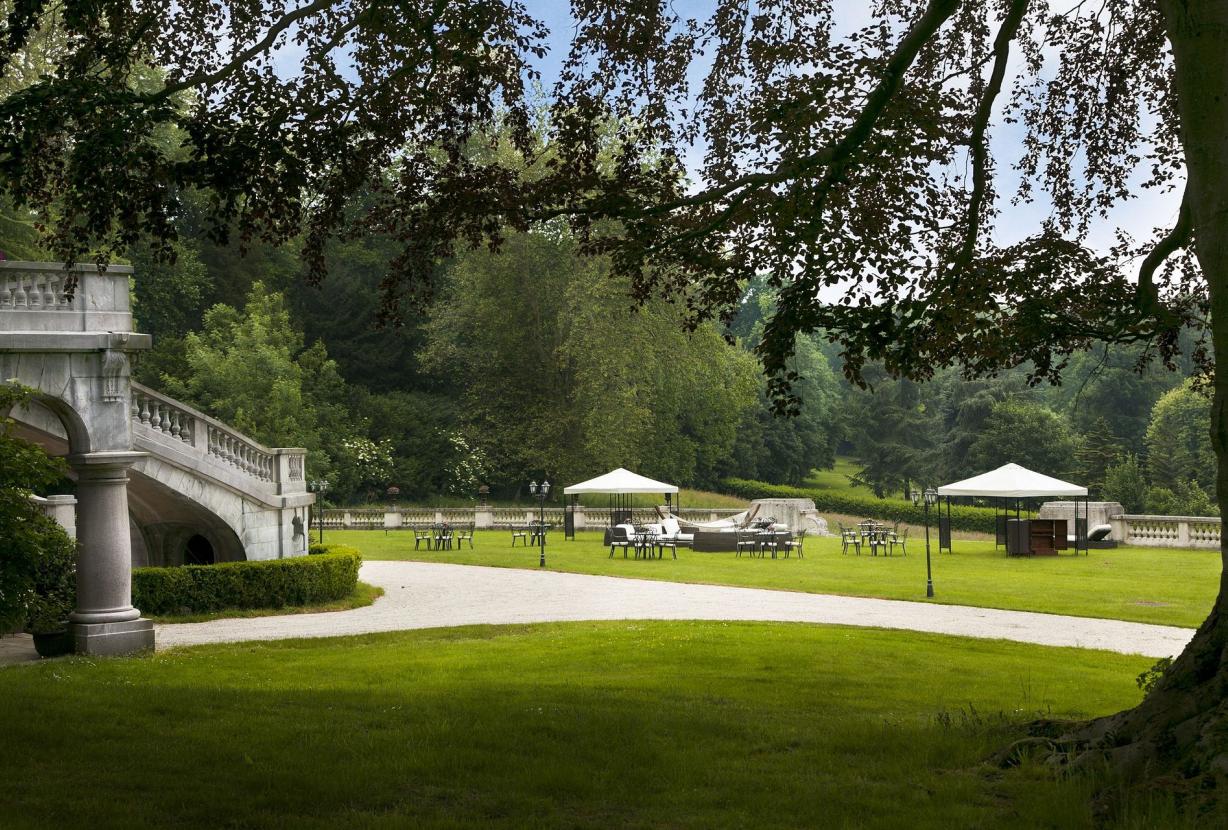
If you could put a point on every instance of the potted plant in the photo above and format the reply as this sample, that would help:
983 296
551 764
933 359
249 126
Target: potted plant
54 596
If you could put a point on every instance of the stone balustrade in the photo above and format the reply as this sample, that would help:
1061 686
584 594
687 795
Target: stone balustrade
1200 532
178 426
485 517
47 297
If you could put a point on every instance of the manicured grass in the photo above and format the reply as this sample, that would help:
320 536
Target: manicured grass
666 724
362 596
1174 587
836 478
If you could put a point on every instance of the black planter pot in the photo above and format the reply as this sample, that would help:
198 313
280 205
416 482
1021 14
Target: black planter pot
53 644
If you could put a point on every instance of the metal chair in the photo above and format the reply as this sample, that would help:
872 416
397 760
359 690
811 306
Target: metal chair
849 538
424 534
769 541
620 538
899 539
522 534
464 533
794 543
748 541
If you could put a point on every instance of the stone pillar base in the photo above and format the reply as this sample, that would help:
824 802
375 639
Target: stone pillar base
113 639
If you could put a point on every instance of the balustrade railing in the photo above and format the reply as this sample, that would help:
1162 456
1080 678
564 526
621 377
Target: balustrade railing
366 518
30 290
201 435
46 296
1167 531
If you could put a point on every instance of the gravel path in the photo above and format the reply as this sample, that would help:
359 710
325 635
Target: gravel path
430 595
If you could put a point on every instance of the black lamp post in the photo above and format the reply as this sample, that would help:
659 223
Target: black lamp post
320 487
541 491
930 497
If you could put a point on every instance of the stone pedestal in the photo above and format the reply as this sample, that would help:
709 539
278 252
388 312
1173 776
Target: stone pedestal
113 639
105 623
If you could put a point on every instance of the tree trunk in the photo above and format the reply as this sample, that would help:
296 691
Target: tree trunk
1178 736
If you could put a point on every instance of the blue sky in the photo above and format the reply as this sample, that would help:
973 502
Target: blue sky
1138 216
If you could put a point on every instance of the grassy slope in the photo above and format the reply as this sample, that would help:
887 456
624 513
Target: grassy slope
1174 587
590 724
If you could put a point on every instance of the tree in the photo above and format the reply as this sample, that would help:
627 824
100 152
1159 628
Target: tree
1025 433
856 170
1125 483
1178 441
1098 450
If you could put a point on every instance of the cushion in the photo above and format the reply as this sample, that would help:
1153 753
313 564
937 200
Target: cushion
671 525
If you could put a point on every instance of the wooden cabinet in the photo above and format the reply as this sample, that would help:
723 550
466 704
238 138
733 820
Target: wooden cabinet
1035 537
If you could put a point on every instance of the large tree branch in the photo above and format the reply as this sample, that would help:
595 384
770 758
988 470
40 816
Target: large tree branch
263 45
980 125
836 156
1148 292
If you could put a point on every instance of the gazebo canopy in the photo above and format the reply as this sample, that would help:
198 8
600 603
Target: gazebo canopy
620 481
1010 481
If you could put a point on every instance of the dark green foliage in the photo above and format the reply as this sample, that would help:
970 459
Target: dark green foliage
1021 431
276 583
27 537
1099 450
1125 483
55 584
979 519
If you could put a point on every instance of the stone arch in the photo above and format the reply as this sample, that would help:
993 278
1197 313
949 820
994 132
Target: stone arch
64 431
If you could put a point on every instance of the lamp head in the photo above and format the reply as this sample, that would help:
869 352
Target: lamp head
931 495
916 497
545 487
533 488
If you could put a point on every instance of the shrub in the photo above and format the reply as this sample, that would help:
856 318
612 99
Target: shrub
276 583
979 519
317 548
55 584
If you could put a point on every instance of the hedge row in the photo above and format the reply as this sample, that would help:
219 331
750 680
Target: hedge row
275 583
980 519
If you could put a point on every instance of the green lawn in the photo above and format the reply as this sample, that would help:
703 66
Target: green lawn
664 724
1175 587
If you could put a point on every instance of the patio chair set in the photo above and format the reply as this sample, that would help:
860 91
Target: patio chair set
645 544
531 533
759 543
443 536
875 535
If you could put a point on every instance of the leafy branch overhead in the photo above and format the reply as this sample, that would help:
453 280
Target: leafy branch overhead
856 171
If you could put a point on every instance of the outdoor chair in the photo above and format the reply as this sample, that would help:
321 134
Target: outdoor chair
443 537
748 542
667 541
464 533
769 541
645 543
522 534
794 543
423 534
621 536
899 539
849 539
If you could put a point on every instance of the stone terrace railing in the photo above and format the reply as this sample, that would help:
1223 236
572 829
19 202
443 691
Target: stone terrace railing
189 435
366 518
1201 532
46 297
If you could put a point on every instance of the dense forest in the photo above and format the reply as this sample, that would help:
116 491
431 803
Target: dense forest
533 361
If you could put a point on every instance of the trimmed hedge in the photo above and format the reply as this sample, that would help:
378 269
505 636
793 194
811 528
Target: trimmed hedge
275 583
979 519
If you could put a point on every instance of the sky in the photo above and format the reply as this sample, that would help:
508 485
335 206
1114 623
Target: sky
1138 217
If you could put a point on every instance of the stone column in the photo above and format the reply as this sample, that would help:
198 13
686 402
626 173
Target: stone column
105 623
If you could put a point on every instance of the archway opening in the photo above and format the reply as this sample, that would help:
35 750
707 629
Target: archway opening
199 551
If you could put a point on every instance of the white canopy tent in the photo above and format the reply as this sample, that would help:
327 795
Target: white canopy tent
620 485
1010 482
620 481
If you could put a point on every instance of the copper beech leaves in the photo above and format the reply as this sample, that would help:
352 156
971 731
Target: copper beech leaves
849 162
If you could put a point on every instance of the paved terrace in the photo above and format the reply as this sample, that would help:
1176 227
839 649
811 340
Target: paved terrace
430 595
